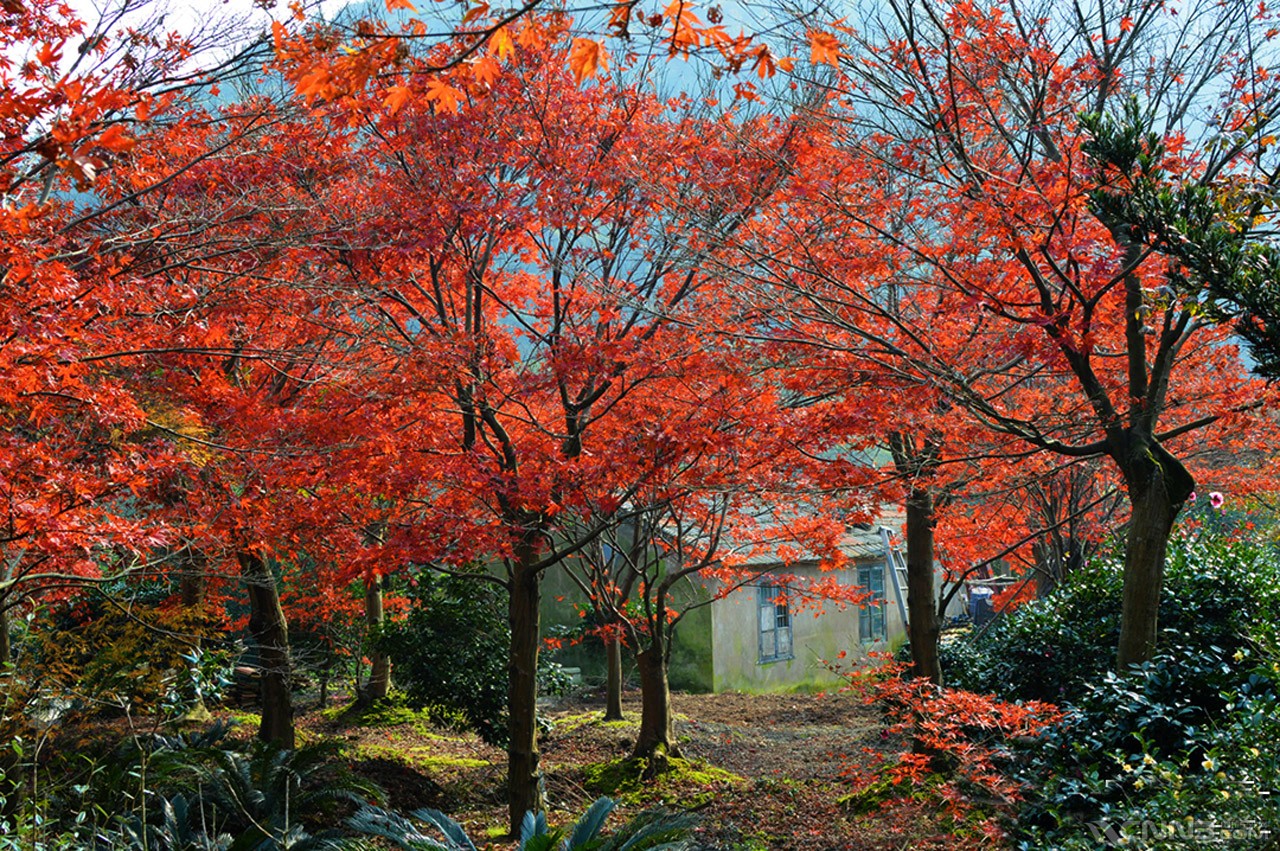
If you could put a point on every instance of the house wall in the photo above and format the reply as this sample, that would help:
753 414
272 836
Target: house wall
816 635
690 668
717 646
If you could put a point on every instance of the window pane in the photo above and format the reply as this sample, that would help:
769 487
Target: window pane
768 645
872 579
784 643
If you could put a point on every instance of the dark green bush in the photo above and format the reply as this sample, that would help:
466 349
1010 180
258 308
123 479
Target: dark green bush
1140 758
450 653
1216 594
1178 752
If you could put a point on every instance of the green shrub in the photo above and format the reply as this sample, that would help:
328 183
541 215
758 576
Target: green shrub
189 791
451 651
1178 752
1216 594
1139 759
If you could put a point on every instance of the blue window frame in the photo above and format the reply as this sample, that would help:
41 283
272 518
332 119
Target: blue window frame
774 621
871 626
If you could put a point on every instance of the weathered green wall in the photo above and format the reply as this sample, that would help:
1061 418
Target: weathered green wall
717 646
690 657
816 635
560 597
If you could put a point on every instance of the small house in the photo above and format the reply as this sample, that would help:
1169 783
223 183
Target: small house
769 631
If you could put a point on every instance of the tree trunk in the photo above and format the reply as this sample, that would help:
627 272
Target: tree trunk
524 775
1046 568
193 581
1158 484
6 649
923 624
193 588
613 681
380 670
271 633
656 740
12 771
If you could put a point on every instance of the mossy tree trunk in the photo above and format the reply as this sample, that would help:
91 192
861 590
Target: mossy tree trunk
524 773
271 634
613 678
380 667
656 739
1158 484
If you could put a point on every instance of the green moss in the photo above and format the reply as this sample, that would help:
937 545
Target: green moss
247 719
422 759
616 725
394 712
871 797
391 712
695 783
576 721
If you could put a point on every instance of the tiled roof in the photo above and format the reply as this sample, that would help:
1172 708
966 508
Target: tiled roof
858 542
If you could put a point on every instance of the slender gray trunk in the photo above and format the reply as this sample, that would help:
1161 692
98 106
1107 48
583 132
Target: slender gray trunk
613 680
380 668
524 773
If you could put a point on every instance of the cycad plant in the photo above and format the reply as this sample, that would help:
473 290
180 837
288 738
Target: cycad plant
652 830
263 794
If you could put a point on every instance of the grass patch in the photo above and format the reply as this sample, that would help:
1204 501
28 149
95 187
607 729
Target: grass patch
246 719
694 783
595 718
420 758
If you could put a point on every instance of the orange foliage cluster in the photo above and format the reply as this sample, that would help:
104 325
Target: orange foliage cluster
958 747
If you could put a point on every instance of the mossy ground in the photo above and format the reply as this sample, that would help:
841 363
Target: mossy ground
691 783
763 772
565 723
422 758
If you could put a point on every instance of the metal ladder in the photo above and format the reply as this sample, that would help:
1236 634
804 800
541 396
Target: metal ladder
895 567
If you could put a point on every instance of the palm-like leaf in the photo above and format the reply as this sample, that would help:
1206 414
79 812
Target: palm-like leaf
375 821
533 824
591 823
652 830
453 832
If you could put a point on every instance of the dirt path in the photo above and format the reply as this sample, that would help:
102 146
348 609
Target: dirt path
799 737
790 751
784 755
